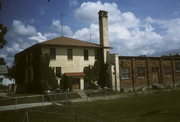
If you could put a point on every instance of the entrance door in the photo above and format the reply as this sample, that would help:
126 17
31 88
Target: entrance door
76 83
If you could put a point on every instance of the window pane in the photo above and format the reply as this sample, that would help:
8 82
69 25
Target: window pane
177 66
155 69
86 55
69 54
125 73
141 71
52 53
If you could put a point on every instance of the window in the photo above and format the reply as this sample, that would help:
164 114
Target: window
69 54
52 53
95 54
154 69
177 66
58 72
86 55
125 73
167 71
141 71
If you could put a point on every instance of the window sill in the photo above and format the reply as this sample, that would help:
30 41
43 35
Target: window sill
141 77
125 78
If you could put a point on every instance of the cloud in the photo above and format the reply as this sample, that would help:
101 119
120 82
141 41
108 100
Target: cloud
56 25
128 34
15 48
22 29
73 2
170 32
38 37
88 12
88 34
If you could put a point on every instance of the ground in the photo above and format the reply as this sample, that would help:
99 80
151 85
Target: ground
157 107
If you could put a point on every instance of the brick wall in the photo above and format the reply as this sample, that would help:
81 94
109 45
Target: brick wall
138 72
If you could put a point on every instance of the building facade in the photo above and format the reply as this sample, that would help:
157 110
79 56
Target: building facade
144 72
68 57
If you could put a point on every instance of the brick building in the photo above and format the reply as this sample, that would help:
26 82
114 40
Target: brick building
139 72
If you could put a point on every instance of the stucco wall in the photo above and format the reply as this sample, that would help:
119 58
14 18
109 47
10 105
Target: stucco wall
76 65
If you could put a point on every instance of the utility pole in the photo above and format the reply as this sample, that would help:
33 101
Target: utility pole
62 24
90 36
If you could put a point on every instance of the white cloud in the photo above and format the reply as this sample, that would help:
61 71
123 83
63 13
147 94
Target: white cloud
88 12
22 29
88 34
170 32
56 25
15 48
39 37
129 35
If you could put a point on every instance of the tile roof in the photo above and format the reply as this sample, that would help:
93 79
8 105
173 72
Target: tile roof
75 74
66 41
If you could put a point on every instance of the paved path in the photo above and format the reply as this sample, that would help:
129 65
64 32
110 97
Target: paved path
21 106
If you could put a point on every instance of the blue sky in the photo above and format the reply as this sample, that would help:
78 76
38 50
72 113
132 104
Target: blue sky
135 26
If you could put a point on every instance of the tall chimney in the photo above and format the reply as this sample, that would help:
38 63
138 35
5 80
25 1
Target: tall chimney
103 28
103 33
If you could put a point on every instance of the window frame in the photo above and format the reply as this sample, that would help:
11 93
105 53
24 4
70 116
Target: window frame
70 54
155 69
177 64
141 72
86 54
52 53
125 74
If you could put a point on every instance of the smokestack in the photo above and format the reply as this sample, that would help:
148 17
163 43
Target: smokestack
103 33
103 28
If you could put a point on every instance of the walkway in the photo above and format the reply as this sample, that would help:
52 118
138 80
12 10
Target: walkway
21 106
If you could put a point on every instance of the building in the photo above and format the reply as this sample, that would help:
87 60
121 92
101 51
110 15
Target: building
67 56
144 72
3 71
70 56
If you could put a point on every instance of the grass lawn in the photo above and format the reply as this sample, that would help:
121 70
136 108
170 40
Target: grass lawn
161 107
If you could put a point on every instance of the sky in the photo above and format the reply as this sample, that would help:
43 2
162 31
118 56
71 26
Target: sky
136 27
